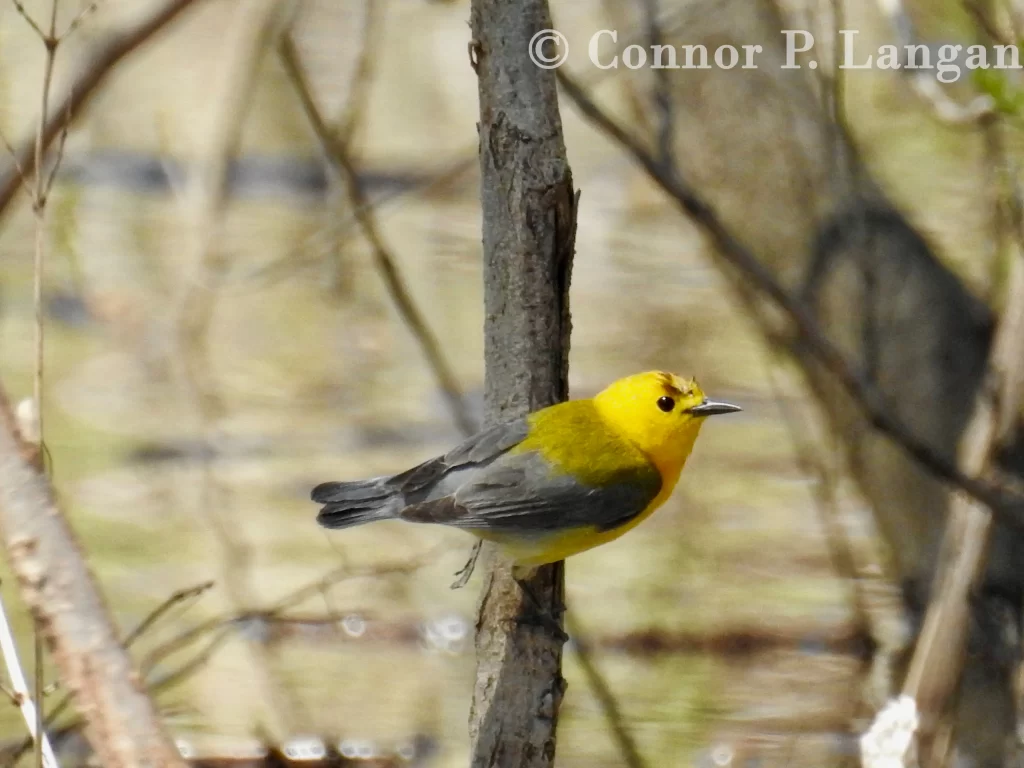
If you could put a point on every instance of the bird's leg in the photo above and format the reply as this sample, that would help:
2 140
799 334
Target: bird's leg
541 616
464 574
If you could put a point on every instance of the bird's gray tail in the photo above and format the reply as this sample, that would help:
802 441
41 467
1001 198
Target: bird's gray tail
348 504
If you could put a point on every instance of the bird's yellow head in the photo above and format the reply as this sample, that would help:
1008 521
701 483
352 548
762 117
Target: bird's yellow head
660 413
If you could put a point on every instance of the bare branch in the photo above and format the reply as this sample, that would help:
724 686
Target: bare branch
606 698
83 87
823 491
17 165
181 596
55 167
169 680
79 18
384 259
39 195
28 19
155 615
450 172
662 86
69 610
222 626
924 83
15 699
254 28
41 743
359 87
939 655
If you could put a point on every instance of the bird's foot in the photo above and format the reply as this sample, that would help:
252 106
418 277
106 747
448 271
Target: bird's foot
464 574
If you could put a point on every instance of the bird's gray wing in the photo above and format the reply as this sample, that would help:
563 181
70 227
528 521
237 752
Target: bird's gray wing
440 476
518 493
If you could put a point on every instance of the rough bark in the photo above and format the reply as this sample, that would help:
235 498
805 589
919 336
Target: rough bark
787 183
528 233
122 724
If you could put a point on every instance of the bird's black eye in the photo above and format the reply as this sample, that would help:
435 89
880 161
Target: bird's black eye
666 403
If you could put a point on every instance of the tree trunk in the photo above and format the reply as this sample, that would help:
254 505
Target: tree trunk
528 235
122 724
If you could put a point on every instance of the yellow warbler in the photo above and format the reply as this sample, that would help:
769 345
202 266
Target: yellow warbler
552 484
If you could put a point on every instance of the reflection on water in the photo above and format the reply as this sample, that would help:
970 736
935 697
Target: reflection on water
719 623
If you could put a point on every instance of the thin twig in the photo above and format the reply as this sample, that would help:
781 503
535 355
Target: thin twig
290 600
21 693
60 590
39 195
938 658
82 89
37 637
844 563
79 18
253 31
1005 500
140 629
29 20
662 86
384 259
189 667
172 678
359 86
15 700
450 172
17 165
924 82
605 697
181 596
55 166
222 627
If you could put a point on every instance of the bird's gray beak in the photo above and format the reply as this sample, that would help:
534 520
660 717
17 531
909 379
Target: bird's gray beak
712 408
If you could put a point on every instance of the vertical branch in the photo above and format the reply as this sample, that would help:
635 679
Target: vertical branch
335 148
662 86
529 215
606 700
66 604
39 192
254 28
359 88
939 655
823 491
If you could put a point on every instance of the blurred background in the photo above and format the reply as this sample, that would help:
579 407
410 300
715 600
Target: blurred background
214 350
